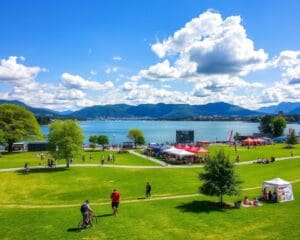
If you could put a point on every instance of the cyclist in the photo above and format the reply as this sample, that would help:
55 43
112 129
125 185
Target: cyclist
86 212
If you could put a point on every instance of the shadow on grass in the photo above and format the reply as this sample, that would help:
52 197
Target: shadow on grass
43 170
203 206
74 229
104 215
141 198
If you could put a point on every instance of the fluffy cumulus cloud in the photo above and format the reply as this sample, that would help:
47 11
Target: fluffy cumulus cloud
11 70
289 63
215 45
77 82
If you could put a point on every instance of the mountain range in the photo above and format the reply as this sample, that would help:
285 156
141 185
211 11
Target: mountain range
285 107
160 110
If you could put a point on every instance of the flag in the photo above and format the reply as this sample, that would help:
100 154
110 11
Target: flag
230 136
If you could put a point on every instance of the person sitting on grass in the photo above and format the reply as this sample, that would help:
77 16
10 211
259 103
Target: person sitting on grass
246 201
86 212
255 202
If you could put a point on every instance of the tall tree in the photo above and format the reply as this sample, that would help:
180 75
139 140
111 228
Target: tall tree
219 177
291 139
65 140
135 134
266 125
16 124
279 124
93 141
102 140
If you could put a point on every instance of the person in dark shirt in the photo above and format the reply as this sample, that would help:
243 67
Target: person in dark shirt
86 212
148 190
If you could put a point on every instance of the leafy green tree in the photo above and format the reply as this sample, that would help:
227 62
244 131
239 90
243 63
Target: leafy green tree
136 135
102 140
65 139
140 140
16 124
219 177
236 136
93 141
279 124
266 125
291 139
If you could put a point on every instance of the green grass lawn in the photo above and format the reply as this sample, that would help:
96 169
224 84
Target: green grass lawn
185 218
276 150
11 160
189 218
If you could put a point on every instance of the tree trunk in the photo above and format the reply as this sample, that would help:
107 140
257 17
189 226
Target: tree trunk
10 146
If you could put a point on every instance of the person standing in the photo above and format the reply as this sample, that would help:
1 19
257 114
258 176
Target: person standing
102 160
148 190
115 201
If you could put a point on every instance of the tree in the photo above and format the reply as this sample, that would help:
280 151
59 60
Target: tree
102 140
279 124
135 134
266 125
16 124
140 140
291 139
93 141
65 139
219 177
237 136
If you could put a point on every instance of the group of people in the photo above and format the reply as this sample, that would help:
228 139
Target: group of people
265 161
87 211
247 202
269 196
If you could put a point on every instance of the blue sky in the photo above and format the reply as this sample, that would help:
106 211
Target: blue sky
71 54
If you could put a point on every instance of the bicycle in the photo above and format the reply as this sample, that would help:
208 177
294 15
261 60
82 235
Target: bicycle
93 221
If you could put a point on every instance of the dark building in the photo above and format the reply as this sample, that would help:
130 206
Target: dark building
37 146
185 136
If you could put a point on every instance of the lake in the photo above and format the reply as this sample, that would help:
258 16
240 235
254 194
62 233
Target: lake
165 131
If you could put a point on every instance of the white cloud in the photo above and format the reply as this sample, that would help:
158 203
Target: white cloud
117 58
214 45
111 70
77 82
11 70
289 62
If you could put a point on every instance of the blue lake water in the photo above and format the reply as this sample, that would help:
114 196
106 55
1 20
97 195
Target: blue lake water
165 131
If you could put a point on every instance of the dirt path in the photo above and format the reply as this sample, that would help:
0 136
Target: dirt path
123 201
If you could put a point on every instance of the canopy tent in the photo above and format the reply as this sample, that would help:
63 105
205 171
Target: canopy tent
259 140
247 141
198 150
282 188
178 152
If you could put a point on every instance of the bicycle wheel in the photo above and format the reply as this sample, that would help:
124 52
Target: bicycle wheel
94 220
81 224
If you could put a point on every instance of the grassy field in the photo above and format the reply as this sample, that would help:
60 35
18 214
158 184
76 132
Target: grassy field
276 150
36 195
17 159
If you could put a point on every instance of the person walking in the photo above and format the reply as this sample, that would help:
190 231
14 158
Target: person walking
115 201
148 190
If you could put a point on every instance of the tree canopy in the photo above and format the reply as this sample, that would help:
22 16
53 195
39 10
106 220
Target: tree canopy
136 135
102 140
93 141
272 126
279 124
291 139
219 177
65 139
17 124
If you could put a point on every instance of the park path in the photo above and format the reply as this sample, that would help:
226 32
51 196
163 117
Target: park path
165 166
162 163
138 200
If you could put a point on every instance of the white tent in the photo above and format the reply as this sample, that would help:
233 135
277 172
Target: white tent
282 188
178 152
